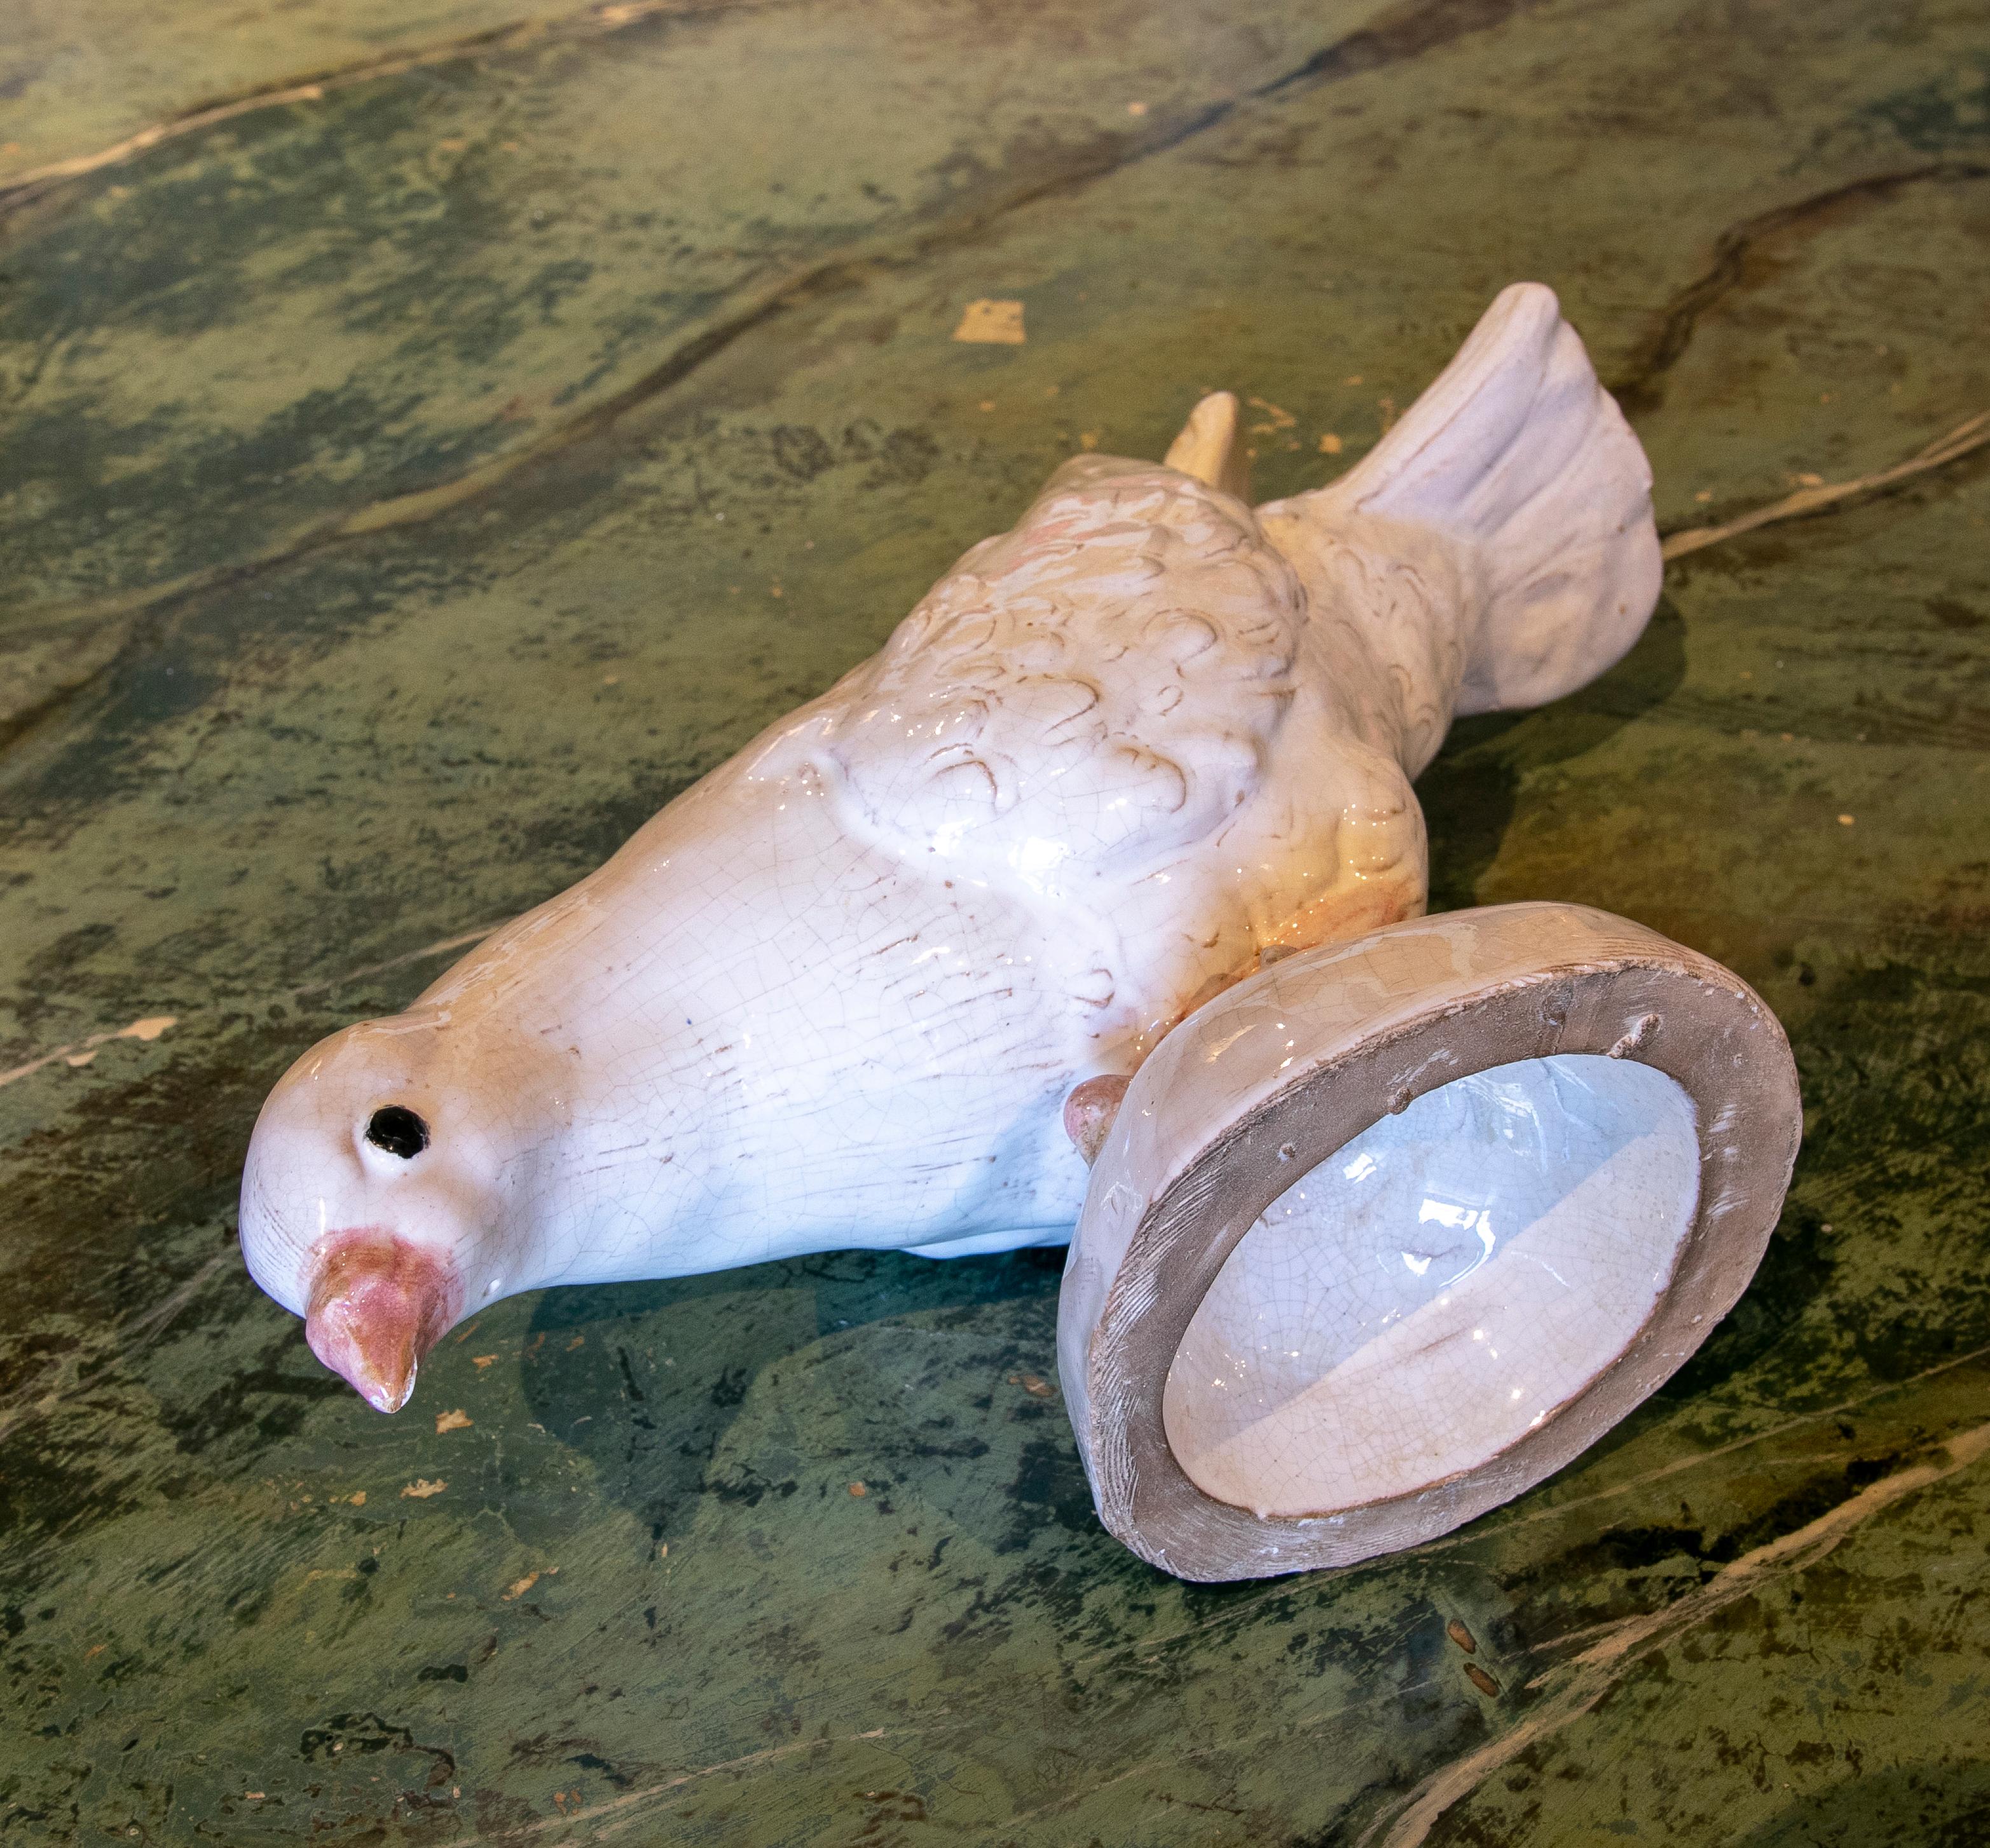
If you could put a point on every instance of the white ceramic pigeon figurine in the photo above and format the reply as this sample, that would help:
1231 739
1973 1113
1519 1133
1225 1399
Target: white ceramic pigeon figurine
840 993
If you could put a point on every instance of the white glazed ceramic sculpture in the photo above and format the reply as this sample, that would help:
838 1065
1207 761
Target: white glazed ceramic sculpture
868 982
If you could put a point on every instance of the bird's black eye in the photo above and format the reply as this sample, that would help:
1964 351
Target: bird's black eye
398 1130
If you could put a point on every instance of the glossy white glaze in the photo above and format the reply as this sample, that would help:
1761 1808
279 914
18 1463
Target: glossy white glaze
1437 1288
836 995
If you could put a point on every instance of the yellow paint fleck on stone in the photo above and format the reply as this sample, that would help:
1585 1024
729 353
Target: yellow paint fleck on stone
986 322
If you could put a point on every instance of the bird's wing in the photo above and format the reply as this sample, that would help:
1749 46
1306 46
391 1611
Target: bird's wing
1087 695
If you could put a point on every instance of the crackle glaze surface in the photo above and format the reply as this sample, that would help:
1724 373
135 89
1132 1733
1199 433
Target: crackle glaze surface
1438 1287
361 462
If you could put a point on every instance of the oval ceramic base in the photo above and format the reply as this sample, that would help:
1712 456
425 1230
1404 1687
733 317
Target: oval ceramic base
1387 1234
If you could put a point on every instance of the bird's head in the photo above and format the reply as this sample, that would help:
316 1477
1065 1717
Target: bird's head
379 1199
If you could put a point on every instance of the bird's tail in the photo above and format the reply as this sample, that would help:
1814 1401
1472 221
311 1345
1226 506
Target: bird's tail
1518 457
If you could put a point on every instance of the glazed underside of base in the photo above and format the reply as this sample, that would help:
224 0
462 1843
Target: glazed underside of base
1437 1288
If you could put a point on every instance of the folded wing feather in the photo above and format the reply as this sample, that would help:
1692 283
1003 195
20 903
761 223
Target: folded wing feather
1091 692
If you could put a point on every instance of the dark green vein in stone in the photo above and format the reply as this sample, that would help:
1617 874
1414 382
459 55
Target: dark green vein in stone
1641 388
1419 27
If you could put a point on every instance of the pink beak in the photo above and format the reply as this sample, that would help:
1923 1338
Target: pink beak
377 1304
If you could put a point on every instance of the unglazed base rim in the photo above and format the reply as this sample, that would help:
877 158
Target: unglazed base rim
1544 979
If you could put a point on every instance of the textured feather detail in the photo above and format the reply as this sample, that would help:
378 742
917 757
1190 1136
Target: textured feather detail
1519 460
1082 696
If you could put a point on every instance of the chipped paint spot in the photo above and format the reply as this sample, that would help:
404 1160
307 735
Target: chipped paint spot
984 322
145 1031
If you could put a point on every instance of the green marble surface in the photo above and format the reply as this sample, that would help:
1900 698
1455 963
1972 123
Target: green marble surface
411 478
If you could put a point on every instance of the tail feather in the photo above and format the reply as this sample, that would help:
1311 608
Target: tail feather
1518 456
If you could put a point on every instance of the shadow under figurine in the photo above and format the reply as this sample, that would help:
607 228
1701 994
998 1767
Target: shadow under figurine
1110 856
